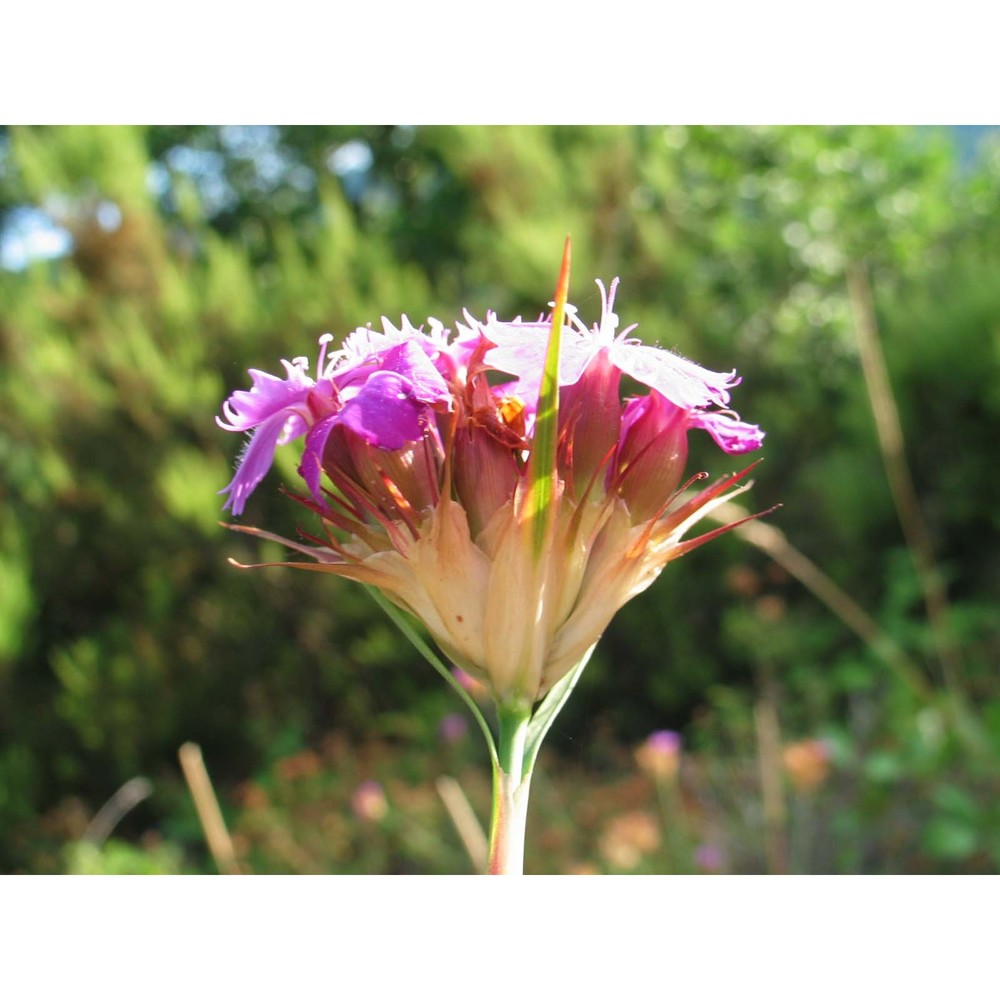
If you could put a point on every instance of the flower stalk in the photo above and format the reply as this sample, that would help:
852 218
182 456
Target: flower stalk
511 785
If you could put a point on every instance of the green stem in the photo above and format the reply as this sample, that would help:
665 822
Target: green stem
511 783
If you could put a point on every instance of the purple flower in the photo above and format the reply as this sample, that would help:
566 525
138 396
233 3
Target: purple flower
382 397
520 350
453 728
659 754
665 741
384 400
277 411
730 433
709 859
418 466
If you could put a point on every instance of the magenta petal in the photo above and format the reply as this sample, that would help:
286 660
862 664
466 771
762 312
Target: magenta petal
245 409
311 466
254 462
273 409
681 381
410 360
521 349
385 412
731 435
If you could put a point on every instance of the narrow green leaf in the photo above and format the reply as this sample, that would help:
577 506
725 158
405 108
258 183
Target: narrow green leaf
540 506
402 621
550 707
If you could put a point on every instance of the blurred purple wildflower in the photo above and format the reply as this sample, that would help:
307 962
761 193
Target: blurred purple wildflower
659 754
709 859
369 803
453 728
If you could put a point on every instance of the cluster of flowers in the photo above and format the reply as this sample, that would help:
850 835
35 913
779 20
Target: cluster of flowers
418 444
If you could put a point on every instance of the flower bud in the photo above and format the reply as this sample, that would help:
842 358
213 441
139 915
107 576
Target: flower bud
394 484
485 474
650 461
592 413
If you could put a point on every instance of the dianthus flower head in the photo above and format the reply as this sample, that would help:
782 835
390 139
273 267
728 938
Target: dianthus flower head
430 467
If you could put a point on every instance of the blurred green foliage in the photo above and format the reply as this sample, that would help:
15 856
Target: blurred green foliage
194 253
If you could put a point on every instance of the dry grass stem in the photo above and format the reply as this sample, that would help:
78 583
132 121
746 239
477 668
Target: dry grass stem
773 542
904 495
217 837
772 791
134 791
461 813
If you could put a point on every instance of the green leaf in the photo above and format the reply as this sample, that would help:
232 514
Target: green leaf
403 622
540 505
550 707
